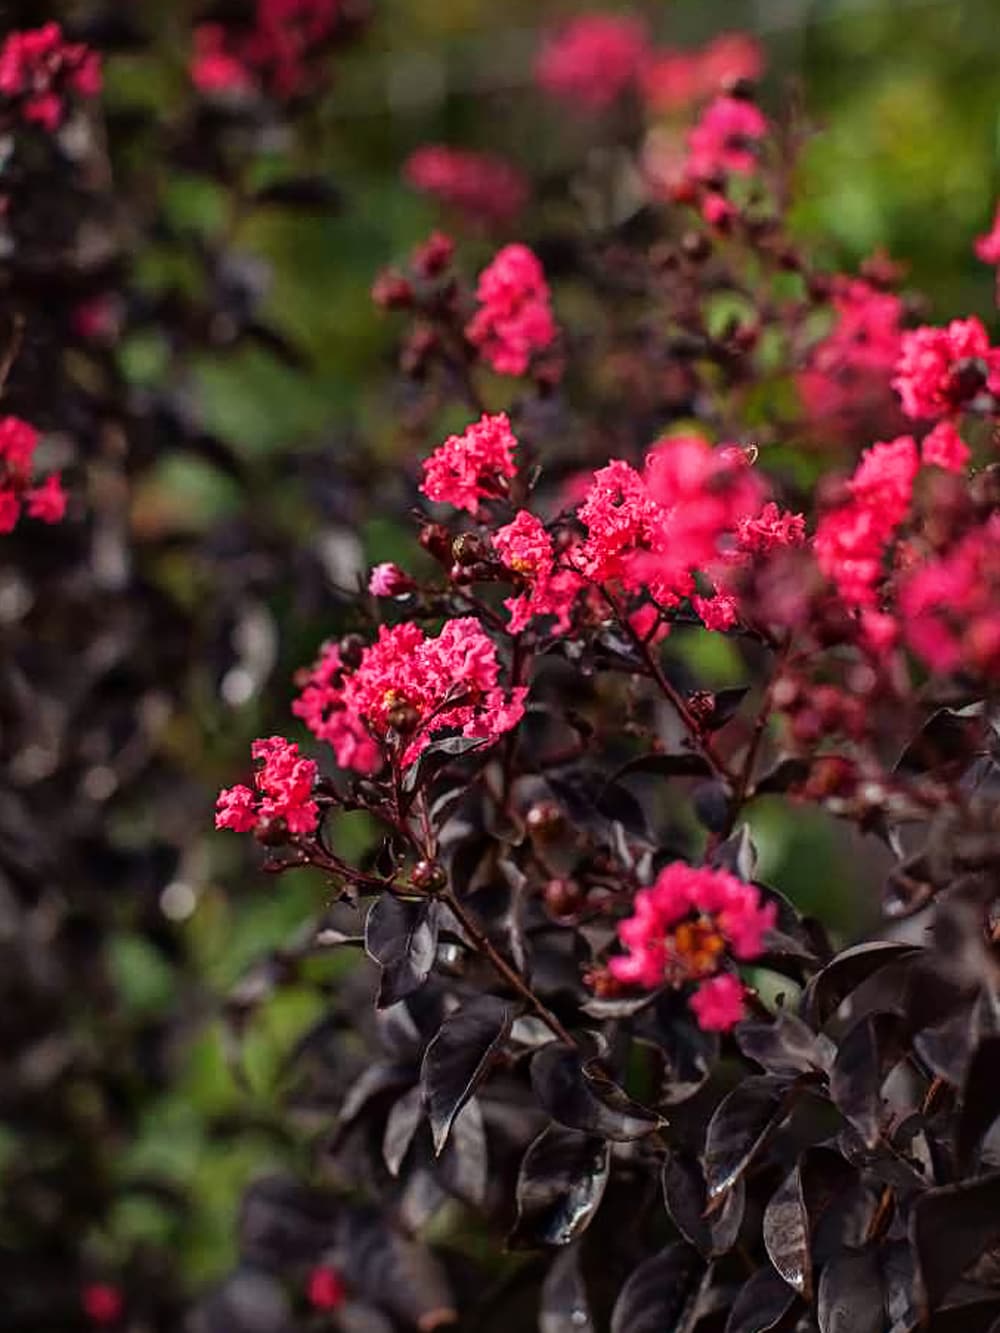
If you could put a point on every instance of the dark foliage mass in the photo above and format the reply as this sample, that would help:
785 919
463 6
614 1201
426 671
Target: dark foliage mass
488 1126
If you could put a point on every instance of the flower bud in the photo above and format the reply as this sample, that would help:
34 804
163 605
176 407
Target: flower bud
388 580
434 255
351 648
436 541
403 718
429 876
468 549
563 897
392 291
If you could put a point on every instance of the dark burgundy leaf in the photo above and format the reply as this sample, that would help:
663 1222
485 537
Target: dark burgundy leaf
659 1295
559 1187
585 1099
710 801
738 855
686 764
402 1124
353 1317
437 756
982 1316
250 1301
282 1222
390 1271
846 973
458 1059
952 1227
901 1284
762 1304
786 1234
401 936
850 1294
947 741
564 1305
727 703
980 1102
786 1046
464 1165
739 1128
789 772
863 1060
686 1199
688 1054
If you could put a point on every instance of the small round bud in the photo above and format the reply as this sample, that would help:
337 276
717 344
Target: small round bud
403 718
392 291
696 246
543 817
271 832
351 648
563 897
434 255
436 541
428 876
468 549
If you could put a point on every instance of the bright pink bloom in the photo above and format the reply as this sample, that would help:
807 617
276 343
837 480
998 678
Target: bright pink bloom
40 71
724 139
388 580
480 185
407 680
684 926
48 501
18 441
214 66
592 60
10 510
283 791
851 541
514 319
950 605
945 448
673 80
772 529
718 1003
526 548
717 613
472 466
102 1303
717 210
849 371
941 370
988 246
326 1289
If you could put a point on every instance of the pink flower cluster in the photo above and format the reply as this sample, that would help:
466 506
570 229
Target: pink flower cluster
674 79
473 466
275 54
526 549
950 605
45 501
411 685
851 540
724 140
684 927
483 186
592 60
39 71
943 447
514 319
941 370
695 509
849 370
282 792
988 247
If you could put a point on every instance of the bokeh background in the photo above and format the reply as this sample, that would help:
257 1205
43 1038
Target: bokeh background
904 98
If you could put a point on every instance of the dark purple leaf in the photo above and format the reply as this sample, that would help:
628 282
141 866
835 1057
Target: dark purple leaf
952 1227
660 1295
375 1081
284 1222
737 854
459 1058
846 973
785 1046
786 1234
762 1304
863 1060
463 1167
686 1199
402 1124
250 1301
789 772
559 1187
390 1271
980 1101
585 1099
738 1129
564 1306
850 1294
314 193
686 764
948 741
401 936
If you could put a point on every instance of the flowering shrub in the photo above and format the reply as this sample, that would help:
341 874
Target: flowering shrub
597 1026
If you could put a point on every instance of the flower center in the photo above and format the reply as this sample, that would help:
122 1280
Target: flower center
697 946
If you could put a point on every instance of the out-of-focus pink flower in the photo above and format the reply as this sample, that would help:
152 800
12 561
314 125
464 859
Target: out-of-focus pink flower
40 71
945 448
48 501
325 1289
592 60
940 370
102 1303
674 79
725 138
988 246
388 580
718 1003
282 792
514 320
483 186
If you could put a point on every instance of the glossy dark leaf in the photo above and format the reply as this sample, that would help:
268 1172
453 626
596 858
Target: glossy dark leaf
685 764
564 1307
762 1304
786 1234
438 755
948 741
459 1058
354 1317
952 1227
789 772
863 1060
845 974
463 1167
686 1199
737 854
727 704
687 1053
980 1101
785 1046
387 1269
850 1294
375 1081
585 1099
560 1185
739 1128
401 936
659 1295
402 1124
901 1284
